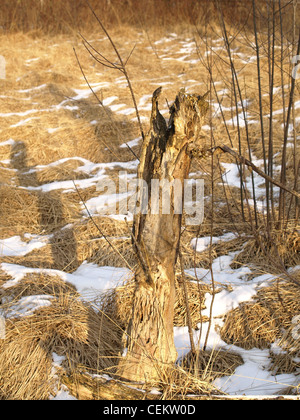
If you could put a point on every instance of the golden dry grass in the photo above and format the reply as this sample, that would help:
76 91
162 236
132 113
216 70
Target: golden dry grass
281 251
68 327
74 329
266 320
25 211
211 364
82 241
40 112
42 16
250 325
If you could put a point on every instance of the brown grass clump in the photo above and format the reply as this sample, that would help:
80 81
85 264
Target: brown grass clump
284 363
196 301
282 299
34 211
25 365
40 147
283 249
176 382
250 325
267 319
83 241
64 172
211 364
4 277
38 284
67 327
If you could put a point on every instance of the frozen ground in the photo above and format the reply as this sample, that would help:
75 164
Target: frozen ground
253 377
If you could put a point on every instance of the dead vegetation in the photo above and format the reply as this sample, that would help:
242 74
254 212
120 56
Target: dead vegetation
69 328
269 319
42 111
87 336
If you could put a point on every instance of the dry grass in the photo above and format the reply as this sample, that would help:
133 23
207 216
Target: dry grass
250 325
265 320
69 328
24 211
117 303
89 339
37 284
179 383
281 251
67 248
67 16
211 364
48 123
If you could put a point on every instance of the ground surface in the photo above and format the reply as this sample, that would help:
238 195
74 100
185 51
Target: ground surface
59 147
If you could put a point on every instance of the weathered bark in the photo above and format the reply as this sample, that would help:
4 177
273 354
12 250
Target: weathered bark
166 156
83 387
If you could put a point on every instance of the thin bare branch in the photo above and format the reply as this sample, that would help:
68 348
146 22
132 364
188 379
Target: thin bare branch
101 231
105 110
121 67
247 162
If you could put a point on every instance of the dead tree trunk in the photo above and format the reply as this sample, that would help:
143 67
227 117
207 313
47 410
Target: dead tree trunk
165 157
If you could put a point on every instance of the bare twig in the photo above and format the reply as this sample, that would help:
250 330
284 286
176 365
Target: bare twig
104 108
120 66
247 162
286 130
261 115
187 306
210 248
99 229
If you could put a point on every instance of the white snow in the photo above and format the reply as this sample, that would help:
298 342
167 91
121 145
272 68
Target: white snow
32 89
9 142
27 305
63 394
14 246
252 378
109 100
89 279
234 287
131 143
201 244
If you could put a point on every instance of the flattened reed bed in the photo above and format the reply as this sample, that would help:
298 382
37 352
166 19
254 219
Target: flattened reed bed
34 212
68 327
41 147
248 326
81 241
282 249
284 363
265 320
211 364
88 243
36 284
89 336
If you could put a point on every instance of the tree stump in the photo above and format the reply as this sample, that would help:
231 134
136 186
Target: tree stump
165 157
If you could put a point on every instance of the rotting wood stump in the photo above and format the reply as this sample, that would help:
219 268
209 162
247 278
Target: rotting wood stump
165 157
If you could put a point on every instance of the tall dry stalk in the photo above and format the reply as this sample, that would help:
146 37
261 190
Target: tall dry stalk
280 211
